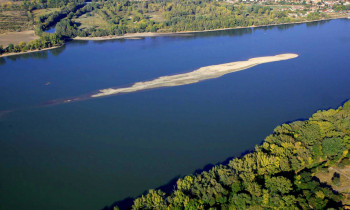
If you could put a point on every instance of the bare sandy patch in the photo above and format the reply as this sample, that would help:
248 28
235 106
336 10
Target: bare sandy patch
17 37
204 73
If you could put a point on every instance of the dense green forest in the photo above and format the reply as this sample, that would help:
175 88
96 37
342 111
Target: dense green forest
280 173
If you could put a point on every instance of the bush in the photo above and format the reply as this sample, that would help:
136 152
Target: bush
336 179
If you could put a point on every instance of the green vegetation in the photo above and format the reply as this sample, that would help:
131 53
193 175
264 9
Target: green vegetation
278 174
336 179
341 7
25 13
124 16
13 21
45 41
45 21
117 17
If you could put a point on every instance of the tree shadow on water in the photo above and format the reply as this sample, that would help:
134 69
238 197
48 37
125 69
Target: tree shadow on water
171 185
168 188
126 203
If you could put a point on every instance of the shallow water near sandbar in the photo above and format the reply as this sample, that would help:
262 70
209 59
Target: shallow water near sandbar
89 154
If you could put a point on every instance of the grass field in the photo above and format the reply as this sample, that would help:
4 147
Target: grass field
38 12
156 16
91 21
17 37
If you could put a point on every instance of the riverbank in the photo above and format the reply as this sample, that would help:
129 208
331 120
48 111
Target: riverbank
158 34
187 33
30 51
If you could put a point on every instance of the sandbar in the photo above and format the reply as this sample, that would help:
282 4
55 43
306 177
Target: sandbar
203 73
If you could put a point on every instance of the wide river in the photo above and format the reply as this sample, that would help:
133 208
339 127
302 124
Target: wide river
90 154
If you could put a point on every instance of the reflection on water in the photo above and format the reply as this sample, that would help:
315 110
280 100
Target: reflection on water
2 61
317 23
51 30
34 55
230 32
57 51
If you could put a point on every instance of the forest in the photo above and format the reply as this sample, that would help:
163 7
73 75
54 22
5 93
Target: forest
280 173
123 16
73 18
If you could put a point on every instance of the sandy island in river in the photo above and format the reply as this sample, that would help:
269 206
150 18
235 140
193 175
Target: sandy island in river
204 73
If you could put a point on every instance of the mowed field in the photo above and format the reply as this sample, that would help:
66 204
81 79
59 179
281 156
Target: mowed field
38 12
17 37
88 21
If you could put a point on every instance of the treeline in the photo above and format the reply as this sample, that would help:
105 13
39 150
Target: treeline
341 7
30 5
279 174
48 20
46 41
124 16
45 21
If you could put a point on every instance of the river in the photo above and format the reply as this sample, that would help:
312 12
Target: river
90 154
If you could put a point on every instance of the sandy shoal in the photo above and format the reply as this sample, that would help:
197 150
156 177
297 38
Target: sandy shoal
204 73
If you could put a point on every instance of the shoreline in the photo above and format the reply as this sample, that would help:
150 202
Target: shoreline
158 34
27 52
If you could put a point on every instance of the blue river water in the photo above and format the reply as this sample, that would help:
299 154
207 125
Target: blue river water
90 154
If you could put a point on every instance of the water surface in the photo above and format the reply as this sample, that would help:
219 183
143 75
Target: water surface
89 154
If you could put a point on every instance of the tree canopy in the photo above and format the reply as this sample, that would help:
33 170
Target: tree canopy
278 174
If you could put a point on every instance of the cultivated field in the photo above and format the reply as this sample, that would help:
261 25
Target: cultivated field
13 21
